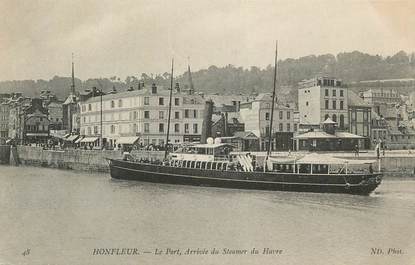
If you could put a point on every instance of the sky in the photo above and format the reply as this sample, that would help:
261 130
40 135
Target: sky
129 37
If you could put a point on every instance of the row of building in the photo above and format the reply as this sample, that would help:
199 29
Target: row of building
327 116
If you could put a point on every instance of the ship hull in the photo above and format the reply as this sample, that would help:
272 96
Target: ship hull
362 184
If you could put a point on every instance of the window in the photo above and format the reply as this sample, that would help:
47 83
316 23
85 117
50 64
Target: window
288 127
146 101
341 104
161 115
186 128
135 128
195 128
267 130
112 104
177 128
135 115
295 127
341 93
334 92
326 92
267 116
161 127
334 104
326 117
280 127
176 101
341 121
306 103
288 115
89 107
186 113
146 127
326 104
89 130
177 115
161 101
334 118
95 129
281 114
146 114
195 113
120 103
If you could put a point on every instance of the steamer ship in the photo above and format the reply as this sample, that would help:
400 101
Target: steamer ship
214 164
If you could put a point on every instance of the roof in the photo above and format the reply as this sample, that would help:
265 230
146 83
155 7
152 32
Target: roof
145 91
348 135
70 99
315 135
355 100
329 121
245 135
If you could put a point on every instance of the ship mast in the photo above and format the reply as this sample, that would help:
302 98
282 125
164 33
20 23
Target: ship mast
169 115
273 101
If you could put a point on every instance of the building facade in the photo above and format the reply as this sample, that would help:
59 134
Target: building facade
143 113
256 115
4 121
321 98
36 123
55 110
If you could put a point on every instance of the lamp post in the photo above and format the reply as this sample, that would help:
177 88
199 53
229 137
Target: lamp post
100 123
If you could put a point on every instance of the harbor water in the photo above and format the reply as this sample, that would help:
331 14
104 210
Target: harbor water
51 216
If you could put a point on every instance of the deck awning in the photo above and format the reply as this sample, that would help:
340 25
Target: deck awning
325 159
89 139
128 140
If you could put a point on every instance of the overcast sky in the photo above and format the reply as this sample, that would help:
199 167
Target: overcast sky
130 37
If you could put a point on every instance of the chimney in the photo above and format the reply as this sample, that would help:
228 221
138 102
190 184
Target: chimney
177 87
207 122
154 89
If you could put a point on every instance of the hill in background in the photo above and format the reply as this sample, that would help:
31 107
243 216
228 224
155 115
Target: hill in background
349 66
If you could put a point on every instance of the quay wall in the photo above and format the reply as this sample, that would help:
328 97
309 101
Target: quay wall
4 154
87 160
94 160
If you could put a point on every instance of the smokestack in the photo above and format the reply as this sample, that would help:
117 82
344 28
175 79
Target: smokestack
207 122
225 126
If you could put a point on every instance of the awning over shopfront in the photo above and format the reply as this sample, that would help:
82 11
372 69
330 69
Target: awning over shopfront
89 139
37 134
128 140
72 138
79 140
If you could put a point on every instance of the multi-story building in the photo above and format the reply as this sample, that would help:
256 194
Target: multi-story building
4 121
144 114
256 115
360 118
17 106
55 110
36 123
379 96
28 121
321 98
